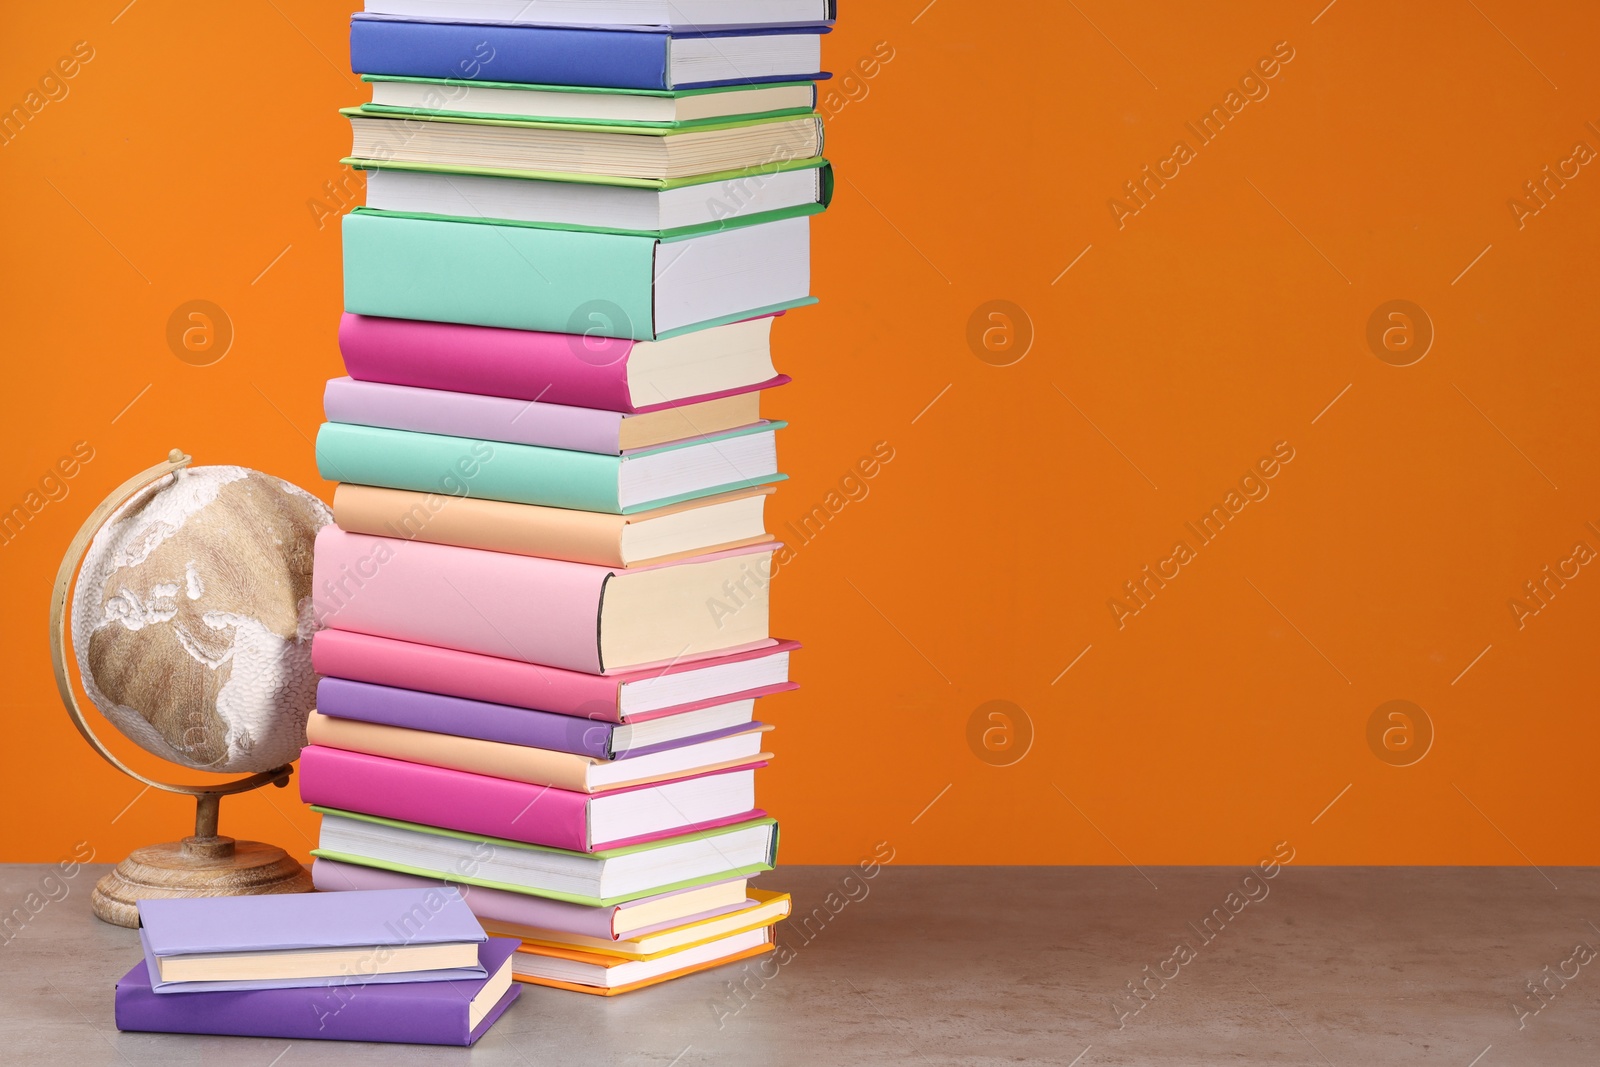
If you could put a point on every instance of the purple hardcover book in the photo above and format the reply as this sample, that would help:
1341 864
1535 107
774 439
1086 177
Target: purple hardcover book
517 909
368 923
489 418
435 713
419 1013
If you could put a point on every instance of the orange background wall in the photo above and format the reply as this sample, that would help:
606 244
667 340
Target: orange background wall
1223 317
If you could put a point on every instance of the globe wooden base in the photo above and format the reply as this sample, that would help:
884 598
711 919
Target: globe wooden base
195 867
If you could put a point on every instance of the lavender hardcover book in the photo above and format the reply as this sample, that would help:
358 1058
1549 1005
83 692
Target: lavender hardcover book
419 1013
308 939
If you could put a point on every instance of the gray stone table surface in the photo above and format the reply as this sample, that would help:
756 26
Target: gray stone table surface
983 966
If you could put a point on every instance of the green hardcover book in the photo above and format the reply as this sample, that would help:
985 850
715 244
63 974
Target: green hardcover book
599 879
489 273
597 149
670 109
499 169
681 208
550 477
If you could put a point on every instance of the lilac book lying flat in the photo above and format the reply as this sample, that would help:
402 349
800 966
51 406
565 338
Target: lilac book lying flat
267 942
419 1013
526 422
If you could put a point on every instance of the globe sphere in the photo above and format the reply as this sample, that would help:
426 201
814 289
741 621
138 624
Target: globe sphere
192 618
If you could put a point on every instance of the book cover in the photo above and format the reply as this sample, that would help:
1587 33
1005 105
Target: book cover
516 474
642 15
611 961
760 909
480 273
417 710
290 921
420 1013
452 98
476 803
517 763
529 365
468 194
473 415
410 665
709 179
525 909
535 423
524 529
543 611
437 842
540 55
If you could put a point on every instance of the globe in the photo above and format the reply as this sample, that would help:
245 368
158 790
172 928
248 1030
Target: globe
192 618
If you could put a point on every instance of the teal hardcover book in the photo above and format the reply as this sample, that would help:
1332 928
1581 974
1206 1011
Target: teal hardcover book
642 288
549 477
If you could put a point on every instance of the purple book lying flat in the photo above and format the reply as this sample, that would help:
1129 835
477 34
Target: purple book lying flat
308 939
419 1013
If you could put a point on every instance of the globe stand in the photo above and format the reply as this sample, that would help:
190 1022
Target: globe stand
205 864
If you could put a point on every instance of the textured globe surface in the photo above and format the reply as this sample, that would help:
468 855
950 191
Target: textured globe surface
192 618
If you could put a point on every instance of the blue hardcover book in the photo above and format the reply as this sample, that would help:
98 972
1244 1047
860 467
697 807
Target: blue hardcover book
598 58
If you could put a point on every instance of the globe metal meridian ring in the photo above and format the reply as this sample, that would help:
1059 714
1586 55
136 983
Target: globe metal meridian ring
70 564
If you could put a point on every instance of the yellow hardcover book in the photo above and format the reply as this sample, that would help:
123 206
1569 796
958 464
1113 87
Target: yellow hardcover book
763 909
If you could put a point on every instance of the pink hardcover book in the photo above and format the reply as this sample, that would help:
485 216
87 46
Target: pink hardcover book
518 811
617 697
547 611
517 909
555 368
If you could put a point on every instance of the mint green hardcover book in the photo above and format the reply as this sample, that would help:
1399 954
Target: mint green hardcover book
484 273
593 863
549 477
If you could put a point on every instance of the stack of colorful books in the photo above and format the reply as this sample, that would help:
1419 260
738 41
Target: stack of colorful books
407 965
545 600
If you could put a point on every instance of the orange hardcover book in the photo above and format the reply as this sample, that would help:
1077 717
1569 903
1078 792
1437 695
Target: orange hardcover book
679 531
607 976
